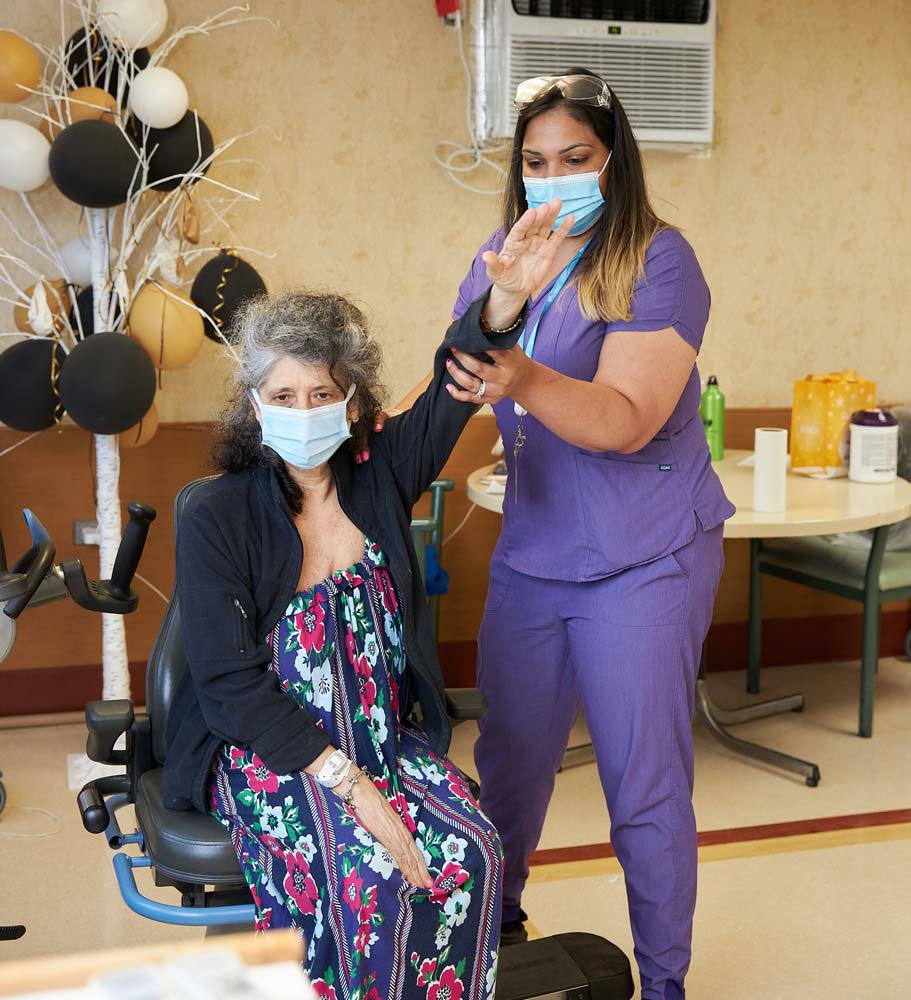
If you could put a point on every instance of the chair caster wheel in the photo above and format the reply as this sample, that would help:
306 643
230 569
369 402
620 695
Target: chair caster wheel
813 779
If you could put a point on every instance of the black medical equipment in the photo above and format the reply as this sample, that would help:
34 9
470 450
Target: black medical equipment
34 580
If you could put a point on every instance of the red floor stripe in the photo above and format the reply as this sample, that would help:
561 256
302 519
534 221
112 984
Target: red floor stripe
737 834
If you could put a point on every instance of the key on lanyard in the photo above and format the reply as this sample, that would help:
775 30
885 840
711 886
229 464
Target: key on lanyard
516 448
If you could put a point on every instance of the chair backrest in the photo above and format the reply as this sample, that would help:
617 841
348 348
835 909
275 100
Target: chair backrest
167 661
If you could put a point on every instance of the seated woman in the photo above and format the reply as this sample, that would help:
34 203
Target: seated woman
310 651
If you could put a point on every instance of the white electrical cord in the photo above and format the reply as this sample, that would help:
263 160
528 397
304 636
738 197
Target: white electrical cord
40 812
479 155
462 523
152 587
16 445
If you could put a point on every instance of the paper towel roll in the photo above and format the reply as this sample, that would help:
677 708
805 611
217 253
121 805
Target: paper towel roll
771 469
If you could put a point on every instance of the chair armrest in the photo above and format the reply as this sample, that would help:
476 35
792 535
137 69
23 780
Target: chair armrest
465 703
107 721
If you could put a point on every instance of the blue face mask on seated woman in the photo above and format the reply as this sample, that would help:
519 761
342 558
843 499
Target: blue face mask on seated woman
305 438
580 194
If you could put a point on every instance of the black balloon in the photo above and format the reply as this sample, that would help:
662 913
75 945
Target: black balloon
85 303
222 285
29 374
179 149
103 51
93 164
108 383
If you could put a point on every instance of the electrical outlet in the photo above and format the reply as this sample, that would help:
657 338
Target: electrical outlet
85 532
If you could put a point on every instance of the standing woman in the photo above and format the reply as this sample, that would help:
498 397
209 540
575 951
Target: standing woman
603 579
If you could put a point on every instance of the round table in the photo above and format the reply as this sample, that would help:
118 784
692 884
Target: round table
814 507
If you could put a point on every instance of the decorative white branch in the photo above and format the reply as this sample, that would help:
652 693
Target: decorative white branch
220 20
119 241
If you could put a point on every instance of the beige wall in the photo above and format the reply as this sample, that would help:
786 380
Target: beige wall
799 217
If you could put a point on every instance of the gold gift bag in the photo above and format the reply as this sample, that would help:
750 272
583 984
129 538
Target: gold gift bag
820 417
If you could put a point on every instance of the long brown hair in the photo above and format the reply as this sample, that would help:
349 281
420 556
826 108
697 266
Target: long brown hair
615 258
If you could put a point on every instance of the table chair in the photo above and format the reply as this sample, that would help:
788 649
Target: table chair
871 576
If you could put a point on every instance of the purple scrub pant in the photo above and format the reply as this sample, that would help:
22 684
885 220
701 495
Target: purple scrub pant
626 649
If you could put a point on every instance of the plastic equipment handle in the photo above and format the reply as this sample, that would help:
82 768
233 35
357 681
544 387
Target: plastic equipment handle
35 564
131 545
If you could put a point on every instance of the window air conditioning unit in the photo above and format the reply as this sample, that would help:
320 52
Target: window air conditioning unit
657 55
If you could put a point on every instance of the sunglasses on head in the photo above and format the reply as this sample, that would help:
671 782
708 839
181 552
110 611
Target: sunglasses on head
584 89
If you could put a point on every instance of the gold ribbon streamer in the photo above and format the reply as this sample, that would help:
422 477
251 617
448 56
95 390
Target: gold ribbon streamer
222 281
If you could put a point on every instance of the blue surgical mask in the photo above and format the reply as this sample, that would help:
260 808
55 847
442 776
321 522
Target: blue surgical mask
305 438
580 194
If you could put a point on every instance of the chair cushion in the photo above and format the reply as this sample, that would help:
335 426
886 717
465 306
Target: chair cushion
837 563
184 845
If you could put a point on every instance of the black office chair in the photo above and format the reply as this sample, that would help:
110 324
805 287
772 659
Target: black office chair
192 852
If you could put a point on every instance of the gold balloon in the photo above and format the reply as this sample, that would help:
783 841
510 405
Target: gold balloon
84 103
141 433
59 309
166 324
19 67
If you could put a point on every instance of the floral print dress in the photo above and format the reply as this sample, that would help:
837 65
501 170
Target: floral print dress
311 867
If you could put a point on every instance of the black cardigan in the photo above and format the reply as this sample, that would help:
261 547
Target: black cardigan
239 559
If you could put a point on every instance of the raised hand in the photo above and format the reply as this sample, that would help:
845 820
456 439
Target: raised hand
528 251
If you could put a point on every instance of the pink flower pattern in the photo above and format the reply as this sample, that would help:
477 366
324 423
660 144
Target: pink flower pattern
259 777
453 876
448 987
351 890
310 624
299 884
428 967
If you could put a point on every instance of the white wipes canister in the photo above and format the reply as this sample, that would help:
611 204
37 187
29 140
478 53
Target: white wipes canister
873 447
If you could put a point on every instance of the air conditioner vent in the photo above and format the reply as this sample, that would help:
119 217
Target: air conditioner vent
658 55
660 11
660 86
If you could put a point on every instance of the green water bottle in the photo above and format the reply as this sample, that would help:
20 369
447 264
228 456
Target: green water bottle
711 410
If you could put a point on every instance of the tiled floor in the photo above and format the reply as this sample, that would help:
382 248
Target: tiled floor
816 916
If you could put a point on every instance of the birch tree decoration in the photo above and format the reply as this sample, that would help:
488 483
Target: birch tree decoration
98 314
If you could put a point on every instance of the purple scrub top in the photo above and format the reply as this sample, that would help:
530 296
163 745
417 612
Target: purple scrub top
584 515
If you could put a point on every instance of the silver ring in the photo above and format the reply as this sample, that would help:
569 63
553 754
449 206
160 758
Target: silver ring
482 388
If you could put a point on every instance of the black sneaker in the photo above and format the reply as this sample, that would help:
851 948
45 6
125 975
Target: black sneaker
513 931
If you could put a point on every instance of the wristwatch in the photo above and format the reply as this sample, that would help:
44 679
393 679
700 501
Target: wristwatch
334 770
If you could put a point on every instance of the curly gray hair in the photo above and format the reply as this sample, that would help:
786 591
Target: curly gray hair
310 327
313 328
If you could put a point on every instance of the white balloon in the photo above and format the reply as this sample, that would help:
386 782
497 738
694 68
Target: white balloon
158 97
133 23
23 156
77 260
